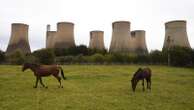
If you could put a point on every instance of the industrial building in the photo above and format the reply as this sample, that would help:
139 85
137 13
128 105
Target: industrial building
50 36
176 34
19 38
120 37
96 40
138 42
65 35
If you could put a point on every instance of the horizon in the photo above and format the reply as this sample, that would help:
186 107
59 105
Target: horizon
94 15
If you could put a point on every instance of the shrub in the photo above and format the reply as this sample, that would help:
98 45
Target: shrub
97 58
2 56
180 56
120 58
45 56
31 59
17 57
192 57
158 57
108 58
60 52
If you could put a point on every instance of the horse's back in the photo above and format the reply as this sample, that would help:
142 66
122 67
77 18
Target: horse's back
49 68
148 71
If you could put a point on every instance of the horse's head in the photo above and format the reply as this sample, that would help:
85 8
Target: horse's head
25 66
30 66
134 80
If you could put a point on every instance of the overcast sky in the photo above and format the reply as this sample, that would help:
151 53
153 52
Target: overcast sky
87 15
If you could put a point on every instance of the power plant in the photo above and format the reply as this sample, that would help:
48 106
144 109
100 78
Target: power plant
65 35
138 42
123 40
120 37
19 38
176 34
50 36
96 40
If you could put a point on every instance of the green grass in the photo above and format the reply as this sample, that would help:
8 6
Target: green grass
91 87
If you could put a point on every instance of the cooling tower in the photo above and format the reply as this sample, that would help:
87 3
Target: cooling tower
176 34
48 27
19 38
138 42
64 35
97 40
50 36
120 37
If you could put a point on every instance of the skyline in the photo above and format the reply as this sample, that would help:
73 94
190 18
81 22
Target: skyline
144 15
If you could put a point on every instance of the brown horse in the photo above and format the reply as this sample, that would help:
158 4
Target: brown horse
142 74
43 71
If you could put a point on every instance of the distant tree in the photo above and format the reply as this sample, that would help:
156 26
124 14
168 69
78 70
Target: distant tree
181 56
108 58
17 57
192 57
94 51
158 57
60 51
97 58
82 49
120 58
2 56
45 56
142 59
31 59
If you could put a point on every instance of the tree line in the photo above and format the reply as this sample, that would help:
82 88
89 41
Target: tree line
179 56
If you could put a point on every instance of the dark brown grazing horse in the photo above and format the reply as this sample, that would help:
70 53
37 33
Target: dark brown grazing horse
142 74
43 71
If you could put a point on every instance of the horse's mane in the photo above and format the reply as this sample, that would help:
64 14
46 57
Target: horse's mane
140 69
33 64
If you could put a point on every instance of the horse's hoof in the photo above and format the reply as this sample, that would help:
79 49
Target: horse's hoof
34 86
61 86
46 87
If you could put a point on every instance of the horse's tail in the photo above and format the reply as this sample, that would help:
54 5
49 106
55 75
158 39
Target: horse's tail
149 71
62 73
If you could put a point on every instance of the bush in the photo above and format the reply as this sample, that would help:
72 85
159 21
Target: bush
80 59
180 56
82 49
158 57
192 57
31 59
97 58
2 56
60 52
45 56
94 51
17 57
120 58
142 59
108 58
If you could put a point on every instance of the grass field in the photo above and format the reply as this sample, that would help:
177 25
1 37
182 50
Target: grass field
97 88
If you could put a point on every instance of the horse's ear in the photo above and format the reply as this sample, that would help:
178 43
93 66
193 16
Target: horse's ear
24 63
140 69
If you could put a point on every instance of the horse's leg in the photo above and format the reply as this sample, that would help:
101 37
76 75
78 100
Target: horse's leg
42 83
59 80
150 82
147 83
36 84
143 84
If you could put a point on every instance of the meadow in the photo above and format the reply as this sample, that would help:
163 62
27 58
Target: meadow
97 87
